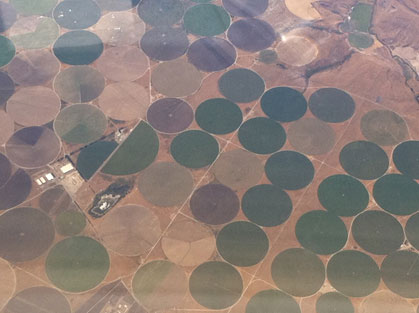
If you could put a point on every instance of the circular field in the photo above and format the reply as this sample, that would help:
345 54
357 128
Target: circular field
124 101
311 136
283 104
166 184
8 16
7 126
8 278
377 232
206 20
245 8
33 106
242 243
188 243
397 194
16 190
80 123
321 232
176 78
194 149
141 230
7 51
165 43
136 153
334 302
298 272
28 233
266 205
77 14
353 273
399 271
125 63
5 169
161 12
297 50
218 116
7 87
54 200
384 127
121 5
360 40
238 169
412 230
216 285
406 158
272 301
364 160
268 56
69 264
343 195
33 147
70 223
241 85
78 47
211 54
38 299
214 204
160 285
79 84
251 34
92 157
386 301
289 170
120 29
27 7
262 135
34 32
170 115
33 67
331 105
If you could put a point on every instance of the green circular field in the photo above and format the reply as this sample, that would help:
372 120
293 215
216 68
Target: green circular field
206 20
93 156
353 273
242 243
80 123
241 85
70 223
262 135
377 232
7 51
343 195
77 264
397 194
29 7
321 232
266 205
160 12
216 285
272 301
298 272
194 149
283 104
218 116
412 230
333 302
406 158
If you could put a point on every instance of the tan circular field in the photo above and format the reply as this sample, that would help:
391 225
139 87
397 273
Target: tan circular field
33 106
296 50
124 101
130 230
188 243
6 127
120 28
8 282
125 63
303 9
386 302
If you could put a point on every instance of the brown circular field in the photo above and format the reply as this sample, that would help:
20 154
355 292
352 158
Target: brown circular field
33 147
130 230
33 67
16 190
33 106
125 63
385 301
296 50
238 169
176 78
120 28
188 243
166 184
6 127
54 200
38 300
26 233
124 101
8 279
311 136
